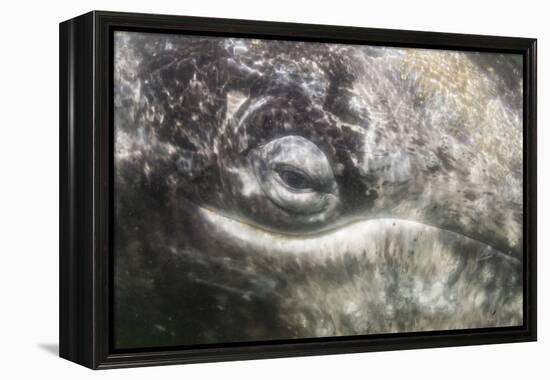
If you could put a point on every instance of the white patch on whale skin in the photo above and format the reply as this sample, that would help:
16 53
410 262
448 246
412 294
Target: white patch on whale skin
248 184
234 100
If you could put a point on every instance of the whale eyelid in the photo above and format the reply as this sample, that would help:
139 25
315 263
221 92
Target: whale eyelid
278 166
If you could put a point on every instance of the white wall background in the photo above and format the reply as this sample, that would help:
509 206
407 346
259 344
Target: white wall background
29 187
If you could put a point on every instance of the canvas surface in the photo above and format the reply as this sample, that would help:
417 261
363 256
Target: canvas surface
277 189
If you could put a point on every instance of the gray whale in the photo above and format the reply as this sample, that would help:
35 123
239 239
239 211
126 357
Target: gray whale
279 190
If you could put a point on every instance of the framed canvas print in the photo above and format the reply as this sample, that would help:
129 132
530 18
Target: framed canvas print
237 189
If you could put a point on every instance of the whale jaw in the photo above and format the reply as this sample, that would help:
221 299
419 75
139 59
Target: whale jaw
368 277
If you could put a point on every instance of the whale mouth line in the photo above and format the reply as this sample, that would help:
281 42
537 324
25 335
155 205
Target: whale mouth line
246 231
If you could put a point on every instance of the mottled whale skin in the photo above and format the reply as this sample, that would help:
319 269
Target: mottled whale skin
279 190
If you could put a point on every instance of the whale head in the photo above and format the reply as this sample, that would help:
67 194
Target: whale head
278 189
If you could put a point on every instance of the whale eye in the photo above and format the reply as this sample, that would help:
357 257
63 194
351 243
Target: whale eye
294 179
295 175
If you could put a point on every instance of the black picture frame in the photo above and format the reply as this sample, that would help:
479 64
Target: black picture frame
86 177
